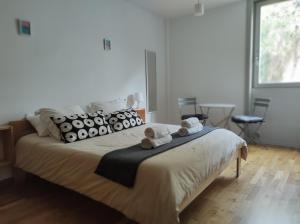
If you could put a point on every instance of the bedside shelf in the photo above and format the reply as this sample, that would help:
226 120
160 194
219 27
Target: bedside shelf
5 127
4 163
142 113
6 135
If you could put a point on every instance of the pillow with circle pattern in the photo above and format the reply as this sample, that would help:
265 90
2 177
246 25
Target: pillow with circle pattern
77 127
124 119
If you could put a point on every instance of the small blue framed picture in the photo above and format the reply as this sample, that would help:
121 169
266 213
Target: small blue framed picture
24 27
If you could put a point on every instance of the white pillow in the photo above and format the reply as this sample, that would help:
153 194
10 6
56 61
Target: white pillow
40 127
46 113
108 107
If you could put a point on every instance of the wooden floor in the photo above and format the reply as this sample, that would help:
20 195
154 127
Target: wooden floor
267 192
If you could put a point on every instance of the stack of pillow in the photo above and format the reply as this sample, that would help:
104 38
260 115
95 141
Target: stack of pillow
156 136
190 126
70 124
42 123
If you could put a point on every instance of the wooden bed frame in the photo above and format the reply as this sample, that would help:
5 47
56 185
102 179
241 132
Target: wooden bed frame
23 127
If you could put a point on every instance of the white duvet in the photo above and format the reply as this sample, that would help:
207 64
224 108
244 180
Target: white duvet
162 182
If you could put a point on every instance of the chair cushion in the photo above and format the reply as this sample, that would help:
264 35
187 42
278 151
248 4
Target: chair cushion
247 119
199 116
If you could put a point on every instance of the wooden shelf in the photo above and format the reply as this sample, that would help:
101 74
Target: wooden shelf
5 127
6 133
142 113
4 163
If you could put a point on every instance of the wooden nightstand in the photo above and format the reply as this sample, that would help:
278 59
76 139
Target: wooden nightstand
142 113
6 160
6 135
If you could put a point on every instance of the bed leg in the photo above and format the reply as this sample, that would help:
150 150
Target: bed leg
238 166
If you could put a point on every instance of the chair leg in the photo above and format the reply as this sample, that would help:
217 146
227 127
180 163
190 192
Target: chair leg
255 134
242 130
248 135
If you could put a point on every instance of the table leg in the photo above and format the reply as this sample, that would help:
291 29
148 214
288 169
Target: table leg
227 123
207 113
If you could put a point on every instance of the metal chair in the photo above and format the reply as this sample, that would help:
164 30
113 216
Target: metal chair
191 101
244 121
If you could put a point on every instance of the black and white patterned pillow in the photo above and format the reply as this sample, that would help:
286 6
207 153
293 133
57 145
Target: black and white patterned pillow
78 127
124 119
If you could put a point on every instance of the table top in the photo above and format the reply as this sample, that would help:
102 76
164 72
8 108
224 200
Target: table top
216 105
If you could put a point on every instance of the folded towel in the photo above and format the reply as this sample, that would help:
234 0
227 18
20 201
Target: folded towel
189 131
157 131
150 143
189 123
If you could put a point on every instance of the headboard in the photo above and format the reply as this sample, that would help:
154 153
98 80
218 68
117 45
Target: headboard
21 128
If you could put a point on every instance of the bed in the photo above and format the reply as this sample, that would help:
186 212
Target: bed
165 184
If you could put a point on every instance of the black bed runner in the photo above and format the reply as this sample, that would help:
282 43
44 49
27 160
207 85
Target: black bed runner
121 165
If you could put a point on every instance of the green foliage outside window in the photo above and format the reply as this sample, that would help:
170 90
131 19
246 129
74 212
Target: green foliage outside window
279 59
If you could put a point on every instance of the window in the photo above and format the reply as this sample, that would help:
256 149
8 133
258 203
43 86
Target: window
277 43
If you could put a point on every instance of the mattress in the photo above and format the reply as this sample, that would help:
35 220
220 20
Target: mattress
162 182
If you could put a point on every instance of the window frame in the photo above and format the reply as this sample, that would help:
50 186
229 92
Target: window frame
256 48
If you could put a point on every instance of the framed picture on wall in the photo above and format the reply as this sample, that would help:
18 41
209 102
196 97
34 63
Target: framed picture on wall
24 27
106 44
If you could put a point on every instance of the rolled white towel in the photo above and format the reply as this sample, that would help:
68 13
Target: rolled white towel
150 143
157 132
189 131
190 123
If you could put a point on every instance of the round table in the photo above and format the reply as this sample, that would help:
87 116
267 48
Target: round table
227 111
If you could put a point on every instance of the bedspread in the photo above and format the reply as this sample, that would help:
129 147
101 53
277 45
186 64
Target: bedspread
162 182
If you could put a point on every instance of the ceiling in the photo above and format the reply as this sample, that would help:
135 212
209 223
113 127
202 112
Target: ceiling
174 8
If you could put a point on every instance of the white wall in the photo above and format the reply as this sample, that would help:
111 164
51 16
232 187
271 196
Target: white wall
63 62
207 57
283 119
282 125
